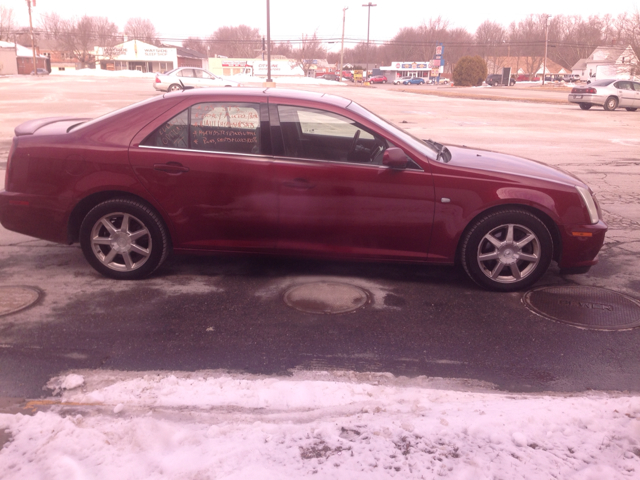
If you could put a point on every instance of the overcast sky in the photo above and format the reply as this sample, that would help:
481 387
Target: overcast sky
291 18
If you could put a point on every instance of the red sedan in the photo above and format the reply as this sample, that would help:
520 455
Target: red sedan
378 79
277 171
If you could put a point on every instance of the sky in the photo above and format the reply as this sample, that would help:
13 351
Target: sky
291 18
319 425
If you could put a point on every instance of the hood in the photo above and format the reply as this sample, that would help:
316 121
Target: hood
489 161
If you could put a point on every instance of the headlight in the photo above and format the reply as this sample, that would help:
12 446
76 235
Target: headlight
587 200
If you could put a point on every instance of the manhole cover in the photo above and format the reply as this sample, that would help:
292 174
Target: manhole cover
586 307
13 299
326 297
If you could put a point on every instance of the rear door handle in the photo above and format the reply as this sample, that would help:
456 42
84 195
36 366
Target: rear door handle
299 183
173 168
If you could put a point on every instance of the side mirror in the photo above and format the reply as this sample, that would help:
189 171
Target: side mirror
395 158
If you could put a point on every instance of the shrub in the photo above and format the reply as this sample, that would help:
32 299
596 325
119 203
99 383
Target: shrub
470 71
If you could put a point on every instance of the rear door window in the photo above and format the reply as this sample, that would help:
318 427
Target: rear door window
214 127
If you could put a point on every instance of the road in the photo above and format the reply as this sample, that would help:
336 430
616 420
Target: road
228 312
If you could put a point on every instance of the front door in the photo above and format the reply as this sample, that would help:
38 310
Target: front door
205 167
336 197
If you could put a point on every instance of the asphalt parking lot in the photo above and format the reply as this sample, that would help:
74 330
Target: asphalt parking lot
229 313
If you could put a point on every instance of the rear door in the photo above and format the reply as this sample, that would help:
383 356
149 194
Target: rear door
626 94
636 89
208 166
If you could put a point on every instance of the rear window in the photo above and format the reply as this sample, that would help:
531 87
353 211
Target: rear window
601 83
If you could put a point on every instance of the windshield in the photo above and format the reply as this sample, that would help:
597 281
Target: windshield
79 126
427 149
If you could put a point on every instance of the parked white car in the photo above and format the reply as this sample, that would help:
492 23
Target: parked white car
190 77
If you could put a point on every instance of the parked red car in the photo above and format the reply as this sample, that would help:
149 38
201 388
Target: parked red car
277 171
378 79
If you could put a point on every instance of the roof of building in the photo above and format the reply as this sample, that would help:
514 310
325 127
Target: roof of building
21 51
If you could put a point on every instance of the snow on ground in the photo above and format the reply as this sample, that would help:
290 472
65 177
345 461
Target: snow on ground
339 425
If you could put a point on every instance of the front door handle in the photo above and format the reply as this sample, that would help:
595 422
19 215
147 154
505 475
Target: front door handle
300 184
174 168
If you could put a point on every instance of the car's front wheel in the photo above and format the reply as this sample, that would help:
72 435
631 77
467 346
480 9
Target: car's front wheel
124 239
507 250
585 106
611 104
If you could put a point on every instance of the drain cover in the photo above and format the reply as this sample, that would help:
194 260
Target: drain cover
13 299
325 297
586 307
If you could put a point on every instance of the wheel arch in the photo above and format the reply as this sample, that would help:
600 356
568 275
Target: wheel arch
87 203
544 217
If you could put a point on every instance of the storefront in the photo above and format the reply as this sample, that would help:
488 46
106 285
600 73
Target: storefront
408 69
253 66
144 57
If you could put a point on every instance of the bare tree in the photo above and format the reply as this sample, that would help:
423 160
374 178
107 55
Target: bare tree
80 37
491 38
631 30
458 43
236 42
141 29
309 48
527 42
7 23
197 44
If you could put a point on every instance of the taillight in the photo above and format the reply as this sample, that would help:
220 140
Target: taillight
157 79
583 90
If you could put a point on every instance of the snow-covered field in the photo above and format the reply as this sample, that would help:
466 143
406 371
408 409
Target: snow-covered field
217 425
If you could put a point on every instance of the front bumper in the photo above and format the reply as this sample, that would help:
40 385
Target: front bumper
580 245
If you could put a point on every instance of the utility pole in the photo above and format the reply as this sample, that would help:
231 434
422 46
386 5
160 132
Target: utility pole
344 13
33 42
269 81
368 5
546 44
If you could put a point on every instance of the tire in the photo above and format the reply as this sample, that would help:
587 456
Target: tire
585 106
631 109
174 87
122 252
611 104
495 262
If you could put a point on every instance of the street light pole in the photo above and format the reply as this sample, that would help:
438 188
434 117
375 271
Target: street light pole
368 5
546 44
344 13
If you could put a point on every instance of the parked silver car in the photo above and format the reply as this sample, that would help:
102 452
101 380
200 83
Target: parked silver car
190 77
399 80
610 94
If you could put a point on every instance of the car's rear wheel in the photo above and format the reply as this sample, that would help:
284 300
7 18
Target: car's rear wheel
174 86
507 250
124 239
611 104
585 106
631 109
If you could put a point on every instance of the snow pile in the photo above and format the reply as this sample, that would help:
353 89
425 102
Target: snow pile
215 425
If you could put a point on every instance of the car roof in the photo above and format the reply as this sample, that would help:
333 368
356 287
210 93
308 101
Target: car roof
280 93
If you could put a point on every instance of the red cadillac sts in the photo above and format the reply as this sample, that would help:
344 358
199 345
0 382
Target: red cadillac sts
289 172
